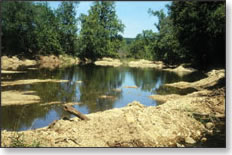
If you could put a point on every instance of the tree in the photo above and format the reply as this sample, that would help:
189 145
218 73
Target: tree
67 26
46 32
99 35
166 46
140 47
17 25
200 29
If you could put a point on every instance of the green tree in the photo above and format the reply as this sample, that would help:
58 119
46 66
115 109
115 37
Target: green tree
67 26
17 27
166 46
46 31
200 29
140 47
100 31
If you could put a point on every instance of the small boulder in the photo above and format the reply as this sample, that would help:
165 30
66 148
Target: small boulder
209 125
190 140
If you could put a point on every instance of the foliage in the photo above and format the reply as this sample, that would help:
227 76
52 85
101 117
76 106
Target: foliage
66 14
18 141
99 35
31 29
200 30
46 36
17 34
191 32
140 47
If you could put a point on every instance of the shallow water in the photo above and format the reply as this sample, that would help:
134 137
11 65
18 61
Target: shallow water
95 82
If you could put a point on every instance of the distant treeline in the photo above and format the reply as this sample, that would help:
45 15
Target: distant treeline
192 32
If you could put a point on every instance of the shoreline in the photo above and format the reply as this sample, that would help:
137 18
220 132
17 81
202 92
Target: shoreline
61 61
175 123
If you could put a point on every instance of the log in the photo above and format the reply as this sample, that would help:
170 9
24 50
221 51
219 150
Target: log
75 112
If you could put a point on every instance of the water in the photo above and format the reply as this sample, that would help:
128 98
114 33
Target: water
96 81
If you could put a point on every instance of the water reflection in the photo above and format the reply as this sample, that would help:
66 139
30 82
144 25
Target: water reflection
101 88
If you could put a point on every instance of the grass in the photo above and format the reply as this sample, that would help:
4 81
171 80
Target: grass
18 141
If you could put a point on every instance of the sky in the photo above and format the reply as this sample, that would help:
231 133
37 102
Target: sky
134 15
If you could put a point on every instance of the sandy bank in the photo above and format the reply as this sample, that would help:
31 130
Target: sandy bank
14 62
22 97
213 78
146 64
180 70
169 125
11 72
19 98
30 81
108 62
52 62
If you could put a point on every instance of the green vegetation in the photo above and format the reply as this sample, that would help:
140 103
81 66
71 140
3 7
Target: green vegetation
192 32
31 29
18 141
99 34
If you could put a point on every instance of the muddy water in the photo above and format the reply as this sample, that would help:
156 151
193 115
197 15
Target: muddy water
94 88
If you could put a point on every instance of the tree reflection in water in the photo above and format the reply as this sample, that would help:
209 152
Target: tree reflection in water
101 88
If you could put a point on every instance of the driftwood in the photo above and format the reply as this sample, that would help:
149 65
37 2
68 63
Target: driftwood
75 112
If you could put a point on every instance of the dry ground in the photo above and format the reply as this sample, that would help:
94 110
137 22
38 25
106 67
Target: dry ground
172 124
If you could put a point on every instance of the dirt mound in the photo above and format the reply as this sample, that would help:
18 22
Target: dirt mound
164 98
13 63
169 125
176 123
53 62
181 70
213 78
146 64
108 62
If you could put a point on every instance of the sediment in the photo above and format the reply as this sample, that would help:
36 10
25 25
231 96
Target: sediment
108 62
146 64
172 124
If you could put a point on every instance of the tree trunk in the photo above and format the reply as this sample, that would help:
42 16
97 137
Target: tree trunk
75 112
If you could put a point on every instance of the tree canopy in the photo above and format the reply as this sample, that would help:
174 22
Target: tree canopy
192 32
99 35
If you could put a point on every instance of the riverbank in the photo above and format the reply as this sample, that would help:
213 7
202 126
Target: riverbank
50 62
181 121
62 61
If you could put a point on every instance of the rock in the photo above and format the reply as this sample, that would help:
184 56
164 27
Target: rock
203 139
210 132
136 103
189 140
179 145
209 125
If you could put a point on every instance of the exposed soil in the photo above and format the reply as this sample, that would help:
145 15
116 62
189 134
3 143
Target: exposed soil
50 62
181 68
108 62
13 63
214 77
11 72
146 64
53 62
29 81
19 98
172 124
175 123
